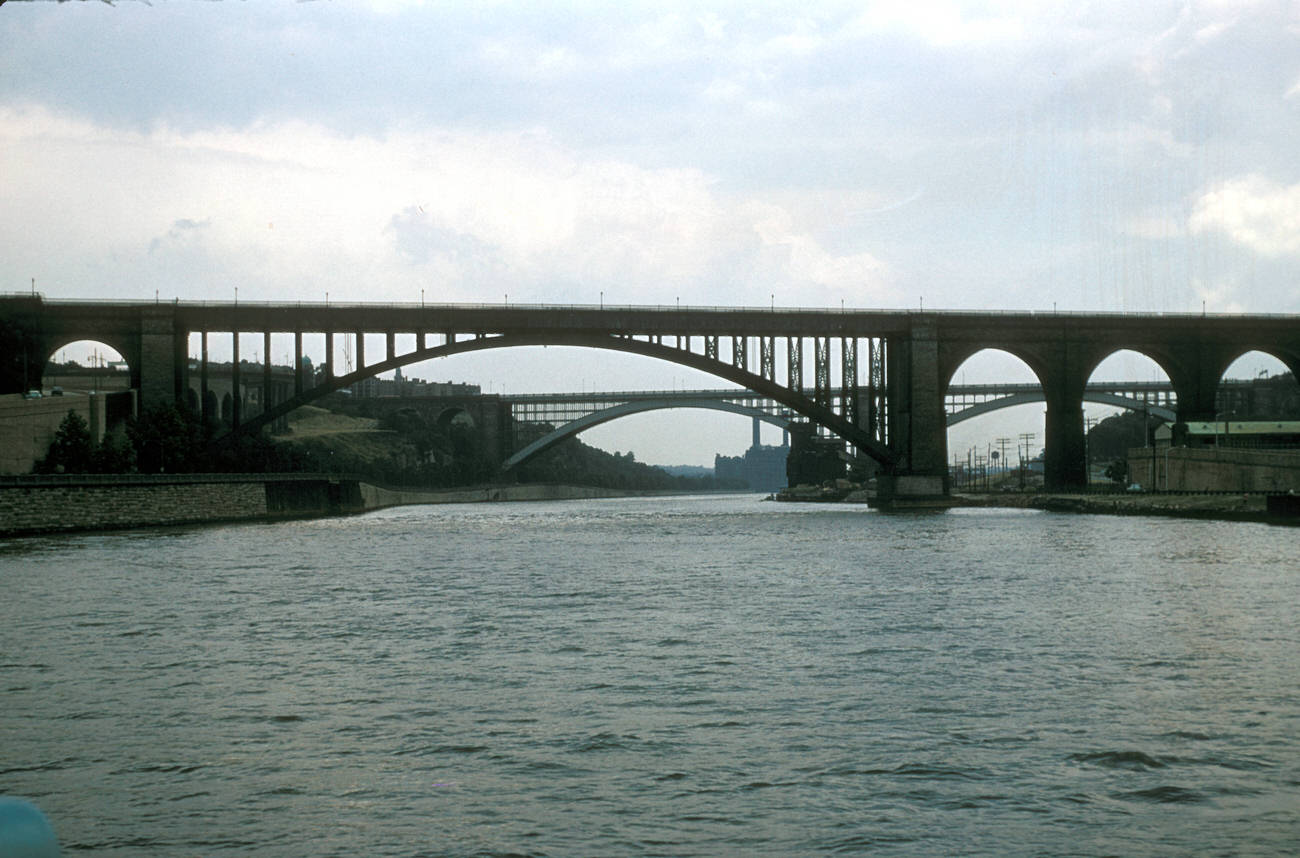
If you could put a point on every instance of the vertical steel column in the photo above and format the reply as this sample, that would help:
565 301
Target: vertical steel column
361 351
875 388
329 356
711 346
266 370
822 371
236 394
390 345
767 357
849 379
794 363
204 416
740 352
297 363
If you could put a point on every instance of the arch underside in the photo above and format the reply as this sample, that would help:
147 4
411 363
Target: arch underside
1028 398
605 415
794 400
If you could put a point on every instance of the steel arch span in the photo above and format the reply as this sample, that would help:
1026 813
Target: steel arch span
794 400
605 415
1029 398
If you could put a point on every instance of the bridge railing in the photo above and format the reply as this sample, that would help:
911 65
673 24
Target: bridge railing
761 308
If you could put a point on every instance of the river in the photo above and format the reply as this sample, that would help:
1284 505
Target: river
669 676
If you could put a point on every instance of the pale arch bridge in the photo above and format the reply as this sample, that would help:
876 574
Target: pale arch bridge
574 413
891 368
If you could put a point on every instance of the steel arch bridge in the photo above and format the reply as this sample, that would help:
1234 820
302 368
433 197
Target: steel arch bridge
577 412
893 366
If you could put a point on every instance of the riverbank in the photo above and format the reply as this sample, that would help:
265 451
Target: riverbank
31 505
1224 507
1273 509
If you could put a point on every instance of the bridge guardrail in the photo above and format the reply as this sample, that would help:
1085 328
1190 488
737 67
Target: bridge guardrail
409 305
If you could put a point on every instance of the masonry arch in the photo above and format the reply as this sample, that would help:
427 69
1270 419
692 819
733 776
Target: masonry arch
1258 384
455 414
795 401
1112 428
85 366
998 435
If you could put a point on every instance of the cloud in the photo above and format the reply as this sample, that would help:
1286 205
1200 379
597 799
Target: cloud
1253 211
295 209
182 229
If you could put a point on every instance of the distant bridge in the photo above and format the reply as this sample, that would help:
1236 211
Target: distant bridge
891 368
573 413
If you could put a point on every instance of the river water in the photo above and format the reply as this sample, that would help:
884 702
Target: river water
669 676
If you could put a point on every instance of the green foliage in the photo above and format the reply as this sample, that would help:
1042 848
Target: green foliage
1117 472
573 463
414 451
1113 437
114 455
72 449
167 440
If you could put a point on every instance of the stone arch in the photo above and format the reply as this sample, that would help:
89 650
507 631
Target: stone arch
1110 432
978 456
452 414
1256 391
953 360
1165 362
94 356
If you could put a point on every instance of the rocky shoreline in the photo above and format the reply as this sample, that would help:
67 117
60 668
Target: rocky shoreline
1224 507
1221 506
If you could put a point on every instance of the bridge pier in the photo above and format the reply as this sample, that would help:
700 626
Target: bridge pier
918 426
163 358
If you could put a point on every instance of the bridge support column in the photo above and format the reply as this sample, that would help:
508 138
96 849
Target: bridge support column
205 416
918 428
1065 458
1065 466
1195 375
163 358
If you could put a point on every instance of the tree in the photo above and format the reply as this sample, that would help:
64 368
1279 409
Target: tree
165 440
114 455
1117 472
71 449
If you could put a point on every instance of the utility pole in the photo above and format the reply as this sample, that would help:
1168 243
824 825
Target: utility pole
1026 439
1088 424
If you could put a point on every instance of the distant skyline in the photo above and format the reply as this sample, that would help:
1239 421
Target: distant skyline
1105 156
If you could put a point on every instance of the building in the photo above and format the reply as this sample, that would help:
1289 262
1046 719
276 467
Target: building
1220 456
762 468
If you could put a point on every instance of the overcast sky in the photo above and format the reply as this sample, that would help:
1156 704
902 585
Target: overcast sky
1092 156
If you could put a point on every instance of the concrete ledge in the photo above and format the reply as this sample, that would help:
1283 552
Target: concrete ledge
910 491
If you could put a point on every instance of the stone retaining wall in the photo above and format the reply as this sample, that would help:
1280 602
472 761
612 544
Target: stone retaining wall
1230 469
44 508
30 505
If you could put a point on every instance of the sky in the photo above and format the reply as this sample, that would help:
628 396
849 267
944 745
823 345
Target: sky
1018 155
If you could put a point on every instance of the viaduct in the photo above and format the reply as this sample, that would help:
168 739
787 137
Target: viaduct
876 378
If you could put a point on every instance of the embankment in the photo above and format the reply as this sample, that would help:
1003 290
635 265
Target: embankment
1276 509
64 503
